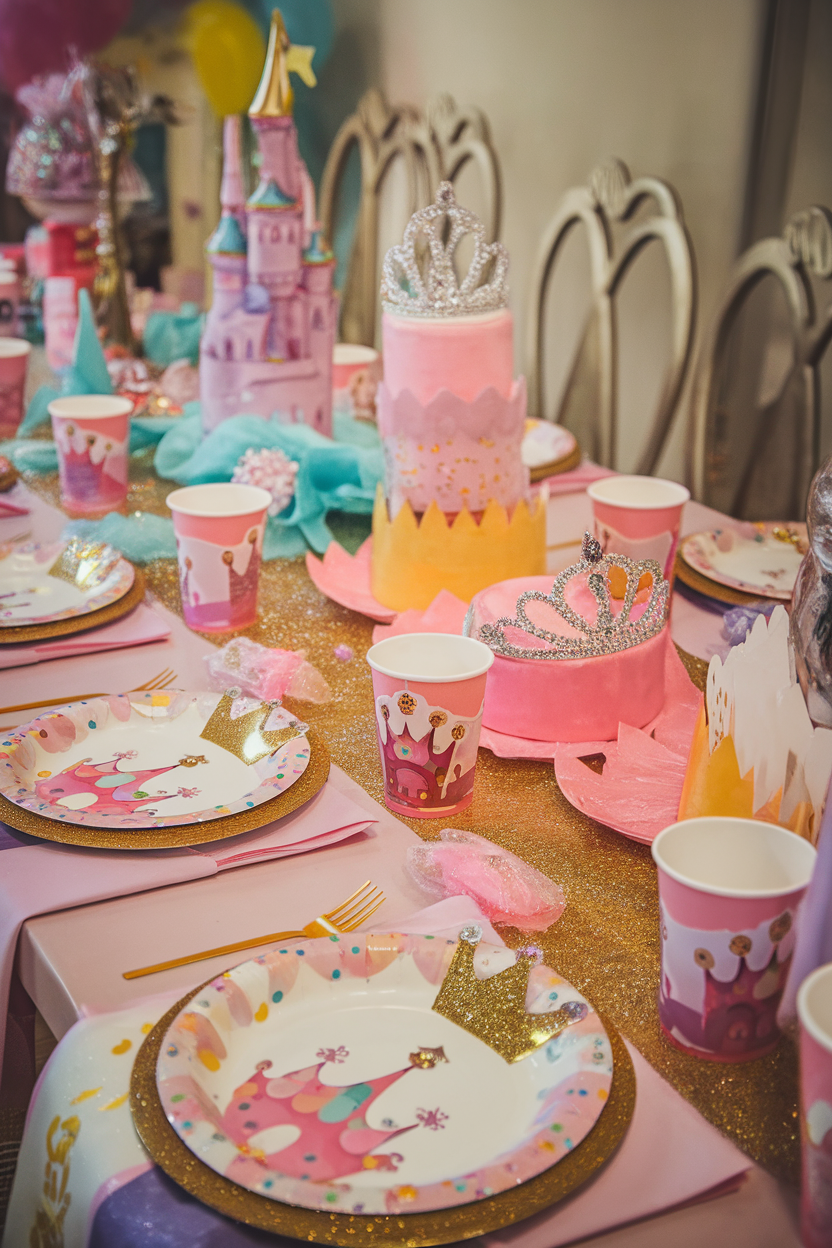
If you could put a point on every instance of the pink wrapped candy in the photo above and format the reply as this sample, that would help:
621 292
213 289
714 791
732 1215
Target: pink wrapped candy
506 889
266 672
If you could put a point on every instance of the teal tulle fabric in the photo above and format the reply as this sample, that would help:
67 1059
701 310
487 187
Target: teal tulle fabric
170 336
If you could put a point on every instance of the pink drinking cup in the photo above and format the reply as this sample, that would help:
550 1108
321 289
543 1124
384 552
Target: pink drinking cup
14 360
92 435
729 899
639 517
429 690
814 1009
356 372
219 543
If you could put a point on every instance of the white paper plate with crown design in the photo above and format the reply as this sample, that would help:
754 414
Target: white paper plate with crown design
44 582
153 760
321 1076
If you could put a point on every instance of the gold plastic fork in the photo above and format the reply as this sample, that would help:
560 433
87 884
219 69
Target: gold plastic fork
162 680
344 918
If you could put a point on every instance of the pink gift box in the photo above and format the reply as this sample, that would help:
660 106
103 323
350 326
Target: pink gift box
429 690
814 1008
92 433
219 542
729 901
14 360
639 517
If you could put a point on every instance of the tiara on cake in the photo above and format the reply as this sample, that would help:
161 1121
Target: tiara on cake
608 633
419 277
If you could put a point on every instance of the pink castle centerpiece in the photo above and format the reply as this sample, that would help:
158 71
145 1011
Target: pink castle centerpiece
269 335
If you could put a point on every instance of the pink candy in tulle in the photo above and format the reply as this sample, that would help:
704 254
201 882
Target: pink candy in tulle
266 672
506 889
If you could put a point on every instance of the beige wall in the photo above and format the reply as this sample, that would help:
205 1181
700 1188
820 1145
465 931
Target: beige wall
666 85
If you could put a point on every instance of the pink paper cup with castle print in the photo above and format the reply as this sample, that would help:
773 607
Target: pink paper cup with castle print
814 1009
219 543
14 360
92 435
730 892
639 517
429 690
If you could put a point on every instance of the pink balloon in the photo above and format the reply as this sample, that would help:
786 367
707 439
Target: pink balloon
36 35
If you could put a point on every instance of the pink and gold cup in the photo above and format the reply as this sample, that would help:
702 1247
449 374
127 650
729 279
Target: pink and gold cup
429 690
814 1009
219 542
729 899
92 435
14 360
639 517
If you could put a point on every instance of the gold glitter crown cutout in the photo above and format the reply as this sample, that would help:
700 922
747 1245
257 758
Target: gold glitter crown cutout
608 633
245 735
494 1010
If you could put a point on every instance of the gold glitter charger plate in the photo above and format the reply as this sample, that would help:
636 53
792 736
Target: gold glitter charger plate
712 589
480 1214
16 634
305 787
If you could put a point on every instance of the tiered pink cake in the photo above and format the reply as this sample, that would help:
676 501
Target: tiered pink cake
572 662
452 419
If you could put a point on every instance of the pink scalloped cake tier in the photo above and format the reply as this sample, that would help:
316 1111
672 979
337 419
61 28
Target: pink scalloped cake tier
566 699
464 354
453 452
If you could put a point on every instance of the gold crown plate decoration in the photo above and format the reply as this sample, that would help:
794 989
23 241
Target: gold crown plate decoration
609 632
374 1015
419 276
414 558
494 1009
158 769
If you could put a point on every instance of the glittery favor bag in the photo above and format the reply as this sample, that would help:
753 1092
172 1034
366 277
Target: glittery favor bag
506 889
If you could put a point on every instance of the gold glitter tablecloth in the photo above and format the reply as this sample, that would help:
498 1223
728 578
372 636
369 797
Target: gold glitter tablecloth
607 941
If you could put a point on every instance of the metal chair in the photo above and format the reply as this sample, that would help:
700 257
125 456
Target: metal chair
754 437
431 148
612 200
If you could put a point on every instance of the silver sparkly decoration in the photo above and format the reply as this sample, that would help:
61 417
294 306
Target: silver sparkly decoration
419 277
609 633
472 934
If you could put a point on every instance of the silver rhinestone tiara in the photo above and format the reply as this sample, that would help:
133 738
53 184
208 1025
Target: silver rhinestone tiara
419 277
609 633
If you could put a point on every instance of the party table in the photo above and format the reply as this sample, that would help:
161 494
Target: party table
606 943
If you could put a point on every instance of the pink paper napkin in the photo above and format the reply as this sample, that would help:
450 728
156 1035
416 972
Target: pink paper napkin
37 877
446 614
345 578
142 625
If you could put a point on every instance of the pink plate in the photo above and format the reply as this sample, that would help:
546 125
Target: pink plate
761 558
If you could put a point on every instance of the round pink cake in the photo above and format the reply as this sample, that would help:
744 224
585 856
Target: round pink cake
566 699
463 354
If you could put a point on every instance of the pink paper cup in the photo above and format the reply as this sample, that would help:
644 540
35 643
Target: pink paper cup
729 897
14 360
92 435
639 517
356 372
814 1009
219 542
429 690
9 302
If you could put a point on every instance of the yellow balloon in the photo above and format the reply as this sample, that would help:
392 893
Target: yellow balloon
228 51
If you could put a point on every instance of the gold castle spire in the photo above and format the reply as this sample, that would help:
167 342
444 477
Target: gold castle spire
274 96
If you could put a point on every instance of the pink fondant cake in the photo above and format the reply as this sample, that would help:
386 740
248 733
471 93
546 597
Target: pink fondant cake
463 354
582 699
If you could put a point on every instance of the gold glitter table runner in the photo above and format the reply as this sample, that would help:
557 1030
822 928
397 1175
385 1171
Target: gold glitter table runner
607 941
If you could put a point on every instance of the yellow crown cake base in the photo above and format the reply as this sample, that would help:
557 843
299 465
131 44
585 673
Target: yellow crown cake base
414 559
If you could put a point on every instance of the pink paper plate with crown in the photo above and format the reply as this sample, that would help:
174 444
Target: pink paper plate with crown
138 761
378 1074
44 582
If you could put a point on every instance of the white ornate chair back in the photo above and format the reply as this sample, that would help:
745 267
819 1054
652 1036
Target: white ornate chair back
755 432
428 150
608 209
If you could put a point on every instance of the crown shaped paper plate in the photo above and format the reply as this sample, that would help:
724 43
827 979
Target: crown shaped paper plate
419 275
609 631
